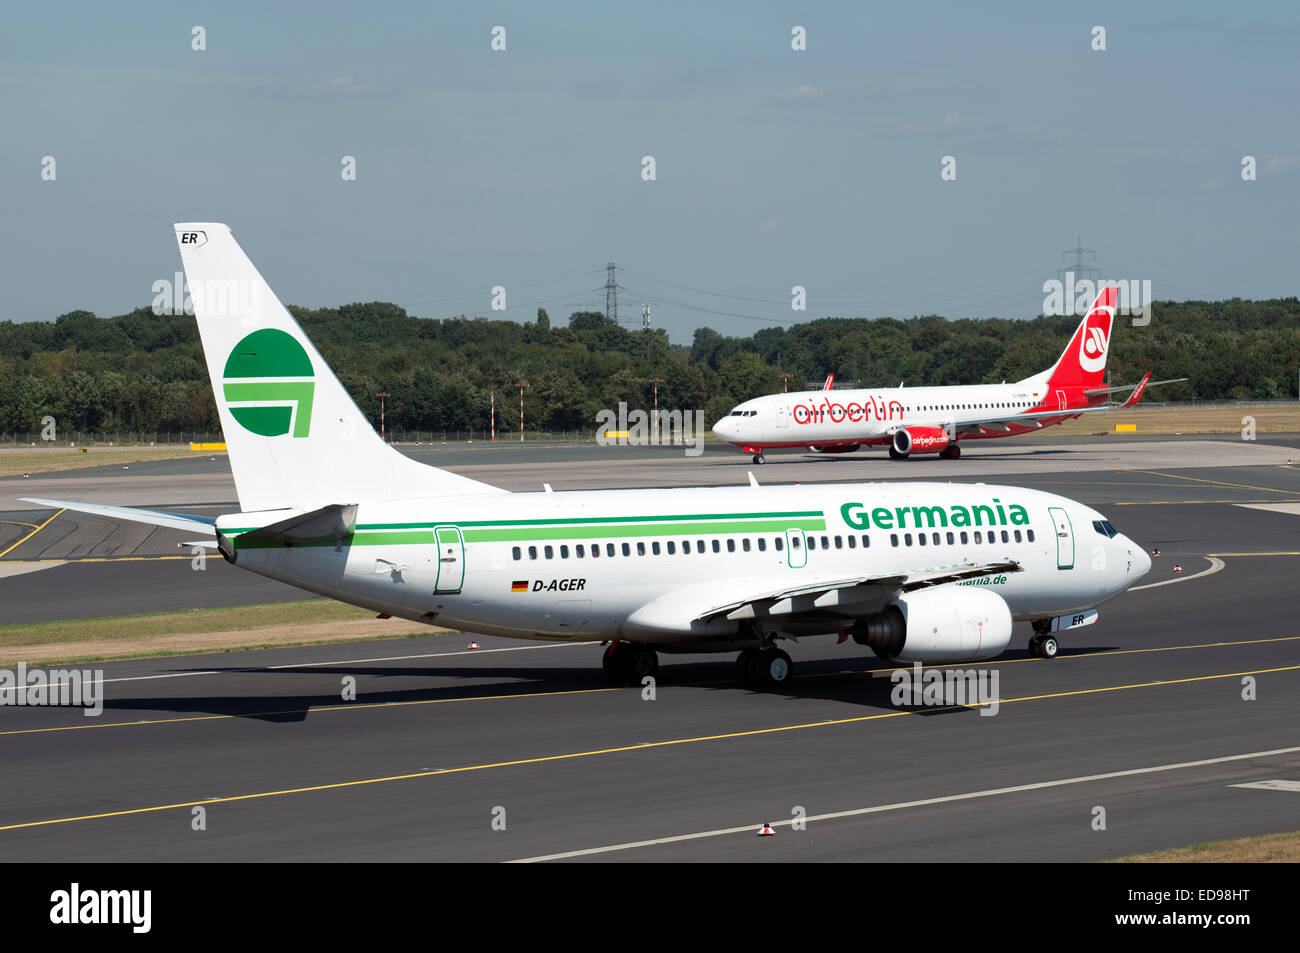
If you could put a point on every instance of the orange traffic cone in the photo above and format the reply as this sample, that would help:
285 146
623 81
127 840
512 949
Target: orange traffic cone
767 831
472 645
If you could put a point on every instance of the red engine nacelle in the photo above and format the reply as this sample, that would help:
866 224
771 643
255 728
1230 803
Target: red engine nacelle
920 440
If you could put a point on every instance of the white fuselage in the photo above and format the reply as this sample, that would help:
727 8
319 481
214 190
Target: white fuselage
522 564
840 417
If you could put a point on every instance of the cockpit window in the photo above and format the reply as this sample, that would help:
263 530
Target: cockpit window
1105 528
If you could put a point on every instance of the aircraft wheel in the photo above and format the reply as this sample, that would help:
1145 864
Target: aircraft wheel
758 458
614 661
746 666
642 660
775 667
1044 646
895 455
951 452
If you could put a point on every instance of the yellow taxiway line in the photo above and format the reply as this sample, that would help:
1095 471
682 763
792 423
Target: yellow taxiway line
643 746
32 533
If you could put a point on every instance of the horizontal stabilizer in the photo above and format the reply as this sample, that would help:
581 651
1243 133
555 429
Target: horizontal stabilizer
329 522
190 523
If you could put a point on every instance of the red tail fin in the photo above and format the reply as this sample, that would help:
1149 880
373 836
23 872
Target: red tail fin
1083 363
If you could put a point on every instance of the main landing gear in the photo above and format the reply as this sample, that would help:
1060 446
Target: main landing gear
1043 644
759 458
626 663
764 668
950 452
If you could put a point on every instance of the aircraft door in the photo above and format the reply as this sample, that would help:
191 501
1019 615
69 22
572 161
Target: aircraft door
782 419
1064 538
451 559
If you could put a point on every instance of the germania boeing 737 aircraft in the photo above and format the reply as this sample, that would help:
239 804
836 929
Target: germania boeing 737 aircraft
936 419
918 572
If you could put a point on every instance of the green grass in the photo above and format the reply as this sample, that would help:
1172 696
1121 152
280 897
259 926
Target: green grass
154 624
1268 849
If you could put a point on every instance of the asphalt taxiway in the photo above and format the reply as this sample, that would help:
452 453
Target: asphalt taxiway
1150 720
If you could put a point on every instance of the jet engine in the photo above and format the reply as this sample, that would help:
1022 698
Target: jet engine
920 440
944 624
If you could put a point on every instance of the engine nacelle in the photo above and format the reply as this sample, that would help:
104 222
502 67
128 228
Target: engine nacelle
944 624
920 440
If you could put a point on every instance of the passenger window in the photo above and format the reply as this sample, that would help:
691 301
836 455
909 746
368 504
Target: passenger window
580 550
731 545
609 549
935 539
550 552
672 548
515 552
699 545
654 547
907 538
978 537
964 538
853 542
778 544
1030 534
950 539
762 545
812 542
744 544
640 549
627 550
716 547
866 540
1006 537
532 552
595 550
826 543
564 552
1017 535
839 542
893 539
920 539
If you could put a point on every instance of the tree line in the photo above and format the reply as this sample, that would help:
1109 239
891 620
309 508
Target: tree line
146 372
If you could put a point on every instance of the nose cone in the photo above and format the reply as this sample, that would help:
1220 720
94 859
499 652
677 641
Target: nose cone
1141 561
726 428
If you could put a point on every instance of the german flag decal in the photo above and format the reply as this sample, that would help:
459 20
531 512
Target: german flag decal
519 585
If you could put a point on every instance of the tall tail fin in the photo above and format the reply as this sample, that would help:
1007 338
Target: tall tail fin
1083 362
294 435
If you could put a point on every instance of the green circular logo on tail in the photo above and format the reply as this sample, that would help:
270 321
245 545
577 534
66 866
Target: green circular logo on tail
268 384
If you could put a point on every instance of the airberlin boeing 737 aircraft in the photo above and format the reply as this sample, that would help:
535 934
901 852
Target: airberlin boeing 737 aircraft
918 572
935 419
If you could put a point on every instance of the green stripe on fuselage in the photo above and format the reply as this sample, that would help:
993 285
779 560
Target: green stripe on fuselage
387 534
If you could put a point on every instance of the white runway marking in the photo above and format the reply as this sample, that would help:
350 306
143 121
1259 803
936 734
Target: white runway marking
901 805
1292 509
1215 566
18 569
1270 785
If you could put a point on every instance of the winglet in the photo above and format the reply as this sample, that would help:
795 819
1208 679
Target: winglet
1137 391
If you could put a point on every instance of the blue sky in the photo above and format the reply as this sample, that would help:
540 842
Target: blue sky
774 168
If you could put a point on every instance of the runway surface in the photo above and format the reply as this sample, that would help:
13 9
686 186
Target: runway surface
1142 716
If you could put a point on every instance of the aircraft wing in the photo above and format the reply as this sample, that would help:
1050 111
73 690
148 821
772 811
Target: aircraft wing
189 522
830 594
